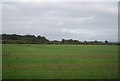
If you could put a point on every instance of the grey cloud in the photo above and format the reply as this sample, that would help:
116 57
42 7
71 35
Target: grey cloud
82 21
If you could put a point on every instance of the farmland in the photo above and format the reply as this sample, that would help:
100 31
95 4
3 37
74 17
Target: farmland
37 61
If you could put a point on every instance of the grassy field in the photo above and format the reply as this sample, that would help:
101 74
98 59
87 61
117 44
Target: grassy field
21 61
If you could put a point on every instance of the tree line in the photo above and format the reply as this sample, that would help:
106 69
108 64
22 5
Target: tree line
31 39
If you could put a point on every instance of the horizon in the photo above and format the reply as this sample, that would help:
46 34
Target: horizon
63 38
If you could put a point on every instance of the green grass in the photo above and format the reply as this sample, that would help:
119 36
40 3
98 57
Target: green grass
21 61
0 61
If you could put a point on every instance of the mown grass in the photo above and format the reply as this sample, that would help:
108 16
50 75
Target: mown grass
21 61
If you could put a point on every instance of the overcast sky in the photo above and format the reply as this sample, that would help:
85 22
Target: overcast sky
57 20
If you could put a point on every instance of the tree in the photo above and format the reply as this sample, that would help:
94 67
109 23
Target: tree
63 40
106 41
31 39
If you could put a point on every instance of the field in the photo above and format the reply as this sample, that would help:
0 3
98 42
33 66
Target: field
21 61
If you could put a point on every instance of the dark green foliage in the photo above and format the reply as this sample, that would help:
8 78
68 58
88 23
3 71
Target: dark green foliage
106 41
25 39
31 39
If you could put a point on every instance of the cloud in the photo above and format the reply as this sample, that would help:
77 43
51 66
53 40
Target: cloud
57 20
60 0
0 18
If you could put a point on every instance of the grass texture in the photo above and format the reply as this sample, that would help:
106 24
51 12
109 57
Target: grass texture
21 61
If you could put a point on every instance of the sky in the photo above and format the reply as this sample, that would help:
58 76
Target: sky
58 20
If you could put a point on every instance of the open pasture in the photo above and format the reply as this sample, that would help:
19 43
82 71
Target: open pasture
23 61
